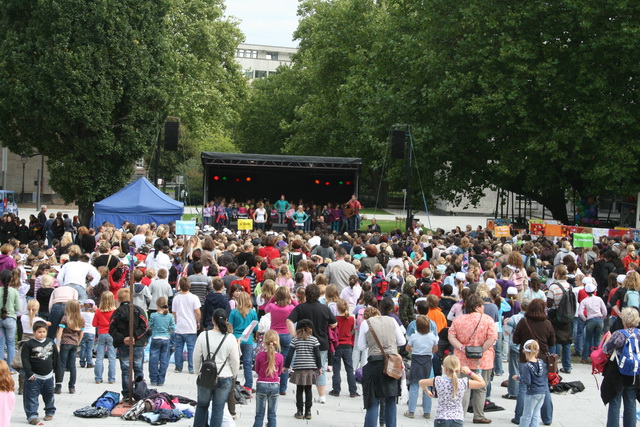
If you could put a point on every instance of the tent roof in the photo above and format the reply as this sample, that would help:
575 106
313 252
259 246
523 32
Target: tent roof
139 197
271 160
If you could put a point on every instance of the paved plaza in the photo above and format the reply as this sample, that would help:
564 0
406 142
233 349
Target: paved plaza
582 409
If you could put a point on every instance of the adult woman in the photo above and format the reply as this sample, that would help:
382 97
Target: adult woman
564 330
324 249
475 329
376 385
369 260
58 227
65 243
280 308
618 388
85 241
260 217
536 326
397 260
9 305
227 360
209 253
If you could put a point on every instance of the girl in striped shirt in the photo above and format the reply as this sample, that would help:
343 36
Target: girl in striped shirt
306 367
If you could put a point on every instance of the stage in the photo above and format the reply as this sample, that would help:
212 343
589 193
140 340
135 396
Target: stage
316 180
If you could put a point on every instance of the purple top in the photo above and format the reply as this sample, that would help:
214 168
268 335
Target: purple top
7 262
261 366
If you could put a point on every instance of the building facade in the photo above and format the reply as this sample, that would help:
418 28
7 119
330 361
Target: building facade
260 61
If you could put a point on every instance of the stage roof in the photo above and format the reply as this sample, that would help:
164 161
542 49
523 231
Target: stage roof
280 161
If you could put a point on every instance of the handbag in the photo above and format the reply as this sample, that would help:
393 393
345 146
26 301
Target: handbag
16 363
393 365
474 351
552 358
599 357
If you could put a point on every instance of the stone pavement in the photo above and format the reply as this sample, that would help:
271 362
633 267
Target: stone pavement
584 408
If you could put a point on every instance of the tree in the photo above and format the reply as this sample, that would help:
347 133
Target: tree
83 83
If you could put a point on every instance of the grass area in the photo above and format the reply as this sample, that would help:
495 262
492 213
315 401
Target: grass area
187 217
372 211
385 225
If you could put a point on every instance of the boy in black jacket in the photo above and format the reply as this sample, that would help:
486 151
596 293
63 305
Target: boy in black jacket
119 330
41 363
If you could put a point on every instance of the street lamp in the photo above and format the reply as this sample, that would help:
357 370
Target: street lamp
24 160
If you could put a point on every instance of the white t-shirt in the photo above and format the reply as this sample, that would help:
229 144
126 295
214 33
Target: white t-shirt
261 215
26 327
184 307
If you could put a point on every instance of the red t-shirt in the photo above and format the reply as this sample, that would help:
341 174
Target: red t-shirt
345 327
101 320
269 253
613 291
258 273
435 289
245 283
146 281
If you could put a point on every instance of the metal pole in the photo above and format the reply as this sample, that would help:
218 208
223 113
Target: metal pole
39 185
157 159
22 192
5 154
409 220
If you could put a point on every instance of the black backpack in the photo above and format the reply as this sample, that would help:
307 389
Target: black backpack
567 308
208 376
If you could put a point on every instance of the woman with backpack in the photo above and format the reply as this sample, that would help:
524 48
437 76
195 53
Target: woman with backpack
620 385
592 311
217 346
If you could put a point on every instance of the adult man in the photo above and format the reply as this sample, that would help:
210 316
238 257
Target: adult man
119 330
374 227
186 310
138 240
48 228
475 329
74 274
353 206
321 317
42 217
105 258
564 328
200 285
339 272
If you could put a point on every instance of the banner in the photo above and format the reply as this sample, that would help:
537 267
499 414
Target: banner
496 222
582 240
502 231
553 230
185 228
245 224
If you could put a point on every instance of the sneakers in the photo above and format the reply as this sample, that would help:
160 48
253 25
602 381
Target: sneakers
565 371
283 393
307 415
408 414
427 415
177 370
322 399
72 390
509 396
98 382
191 371
34 422
299 415
334 393
48 417
58 389
154 384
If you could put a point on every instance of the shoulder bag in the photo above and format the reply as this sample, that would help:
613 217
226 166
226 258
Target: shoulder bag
393 366
552 359
474 351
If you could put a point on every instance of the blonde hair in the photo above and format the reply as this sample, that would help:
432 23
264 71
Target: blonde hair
268 290
321 279
632 281
107 302
272 344
244 304
531 347
33 307
630 317
46 281
75 322
331 293
66 239
451 365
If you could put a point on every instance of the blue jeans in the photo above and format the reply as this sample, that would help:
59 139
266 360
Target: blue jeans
247 361
105 343
514 369
285 344
414 391
547 406
55 316
68 361
32 391
282 217
82 291
371 414
578 334
217 398
138 363
181 340
531 413
566 354
322 379
628 397
497 360
593 332
266 393
344 352
158 361
8 328
86 349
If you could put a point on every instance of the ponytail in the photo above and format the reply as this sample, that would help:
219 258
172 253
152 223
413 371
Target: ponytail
5 278
220 319
454 383
271 341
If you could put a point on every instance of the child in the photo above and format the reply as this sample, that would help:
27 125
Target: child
268 366
284 278
331 297
69 336
307 366
44 295
352 293
267 292
344 350
240 318
86 346
141 293
162 325
534 375
234 291
301 295
40 361
101 320
33 308
303 267
450 390
242 279
406 313
447 301
7 396
421 345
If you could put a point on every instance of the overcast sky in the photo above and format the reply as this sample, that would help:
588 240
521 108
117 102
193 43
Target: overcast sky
268 22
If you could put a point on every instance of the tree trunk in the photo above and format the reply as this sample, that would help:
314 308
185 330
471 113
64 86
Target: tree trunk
85 213
558 207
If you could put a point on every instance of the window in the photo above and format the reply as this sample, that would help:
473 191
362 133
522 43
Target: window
271 73
140 163
272 55
254 54
260 74
240 53
248 74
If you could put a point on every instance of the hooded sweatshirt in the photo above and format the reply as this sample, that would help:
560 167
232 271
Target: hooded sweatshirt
405 302
534 376
213 301
7 262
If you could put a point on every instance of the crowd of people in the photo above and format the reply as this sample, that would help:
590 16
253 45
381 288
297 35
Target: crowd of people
440 313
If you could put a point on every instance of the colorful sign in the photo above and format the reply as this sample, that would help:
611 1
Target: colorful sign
245 224
184 228
502 231
582 240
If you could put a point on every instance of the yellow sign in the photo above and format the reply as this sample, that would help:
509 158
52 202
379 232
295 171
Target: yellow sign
245 224
502 231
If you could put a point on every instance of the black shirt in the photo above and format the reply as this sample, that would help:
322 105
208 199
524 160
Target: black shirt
321 317
110 261
40 358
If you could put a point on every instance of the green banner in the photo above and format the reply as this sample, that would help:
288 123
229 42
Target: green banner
582 240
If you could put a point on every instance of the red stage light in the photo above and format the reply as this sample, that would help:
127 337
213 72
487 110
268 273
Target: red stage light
327 183
317 181
248 179
348 182
237 179
215 178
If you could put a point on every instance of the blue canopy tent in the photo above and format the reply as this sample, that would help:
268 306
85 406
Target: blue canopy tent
140 203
